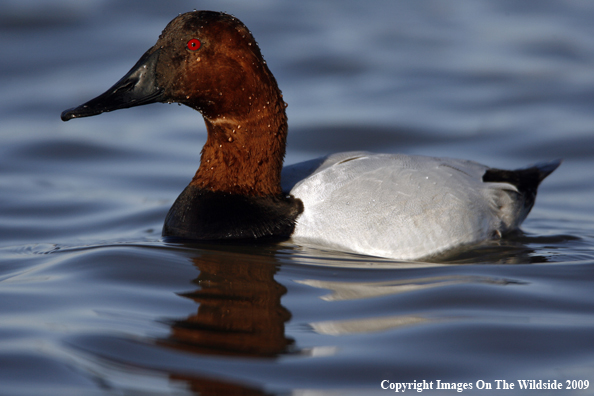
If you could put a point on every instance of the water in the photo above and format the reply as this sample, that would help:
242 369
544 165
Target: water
94 303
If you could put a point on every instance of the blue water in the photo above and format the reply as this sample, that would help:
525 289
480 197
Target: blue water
93 302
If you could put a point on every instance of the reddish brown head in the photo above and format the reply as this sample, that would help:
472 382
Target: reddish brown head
209 61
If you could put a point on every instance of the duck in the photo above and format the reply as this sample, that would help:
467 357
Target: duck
395 206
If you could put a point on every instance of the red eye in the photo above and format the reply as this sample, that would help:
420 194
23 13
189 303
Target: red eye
193 44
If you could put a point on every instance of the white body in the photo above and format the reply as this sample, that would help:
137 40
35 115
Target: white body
398 206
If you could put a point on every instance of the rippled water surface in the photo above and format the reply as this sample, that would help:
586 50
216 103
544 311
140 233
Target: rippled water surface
93 302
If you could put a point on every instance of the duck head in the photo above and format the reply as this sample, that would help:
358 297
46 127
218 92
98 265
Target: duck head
210 62
202 59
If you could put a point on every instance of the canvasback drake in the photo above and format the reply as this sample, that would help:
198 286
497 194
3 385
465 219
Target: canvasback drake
388 205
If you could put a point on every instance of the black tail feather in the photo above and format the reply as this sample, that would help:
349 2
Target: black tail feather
525 180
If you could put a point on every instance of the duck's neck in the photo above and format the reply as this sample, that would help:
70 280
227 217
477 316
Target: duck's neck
244 151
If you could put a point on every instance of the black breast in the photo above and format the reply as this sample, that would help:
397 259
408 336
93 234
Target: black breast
210 215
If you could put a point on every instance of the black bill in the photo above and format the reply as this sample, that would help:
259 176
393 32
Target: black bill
137 87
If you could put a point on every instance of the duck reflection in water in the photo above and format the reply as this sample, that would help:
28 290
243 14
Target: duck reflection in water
239 313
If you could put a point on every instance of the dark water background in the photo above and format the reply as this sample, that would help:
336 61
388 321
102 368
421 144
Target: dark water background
92 302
